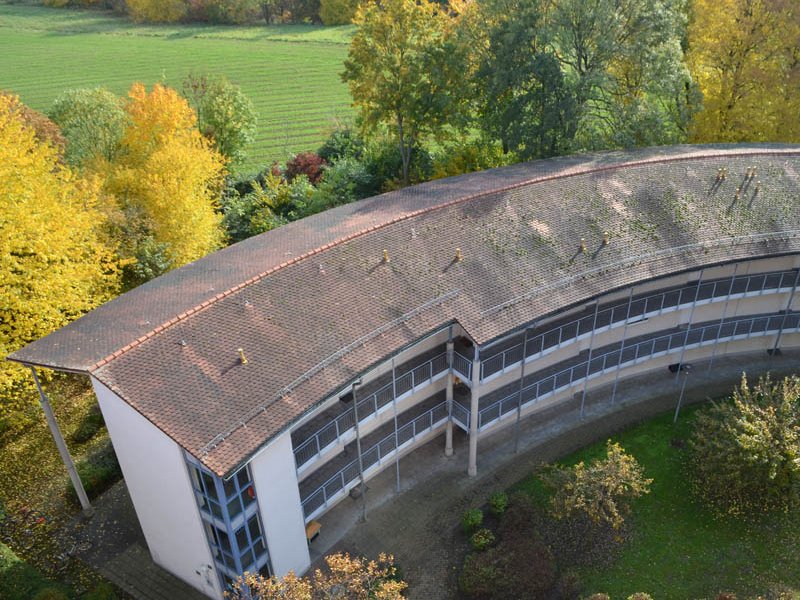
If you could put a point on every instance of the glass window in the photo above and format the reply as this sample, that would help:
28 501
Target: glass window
247 560
229 487
211 489
234 508
241 538
243 477
265 571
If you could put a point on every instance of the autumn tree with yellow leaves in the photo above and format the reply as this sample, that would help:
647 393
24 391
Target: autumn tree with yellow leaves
55 263
745 55
345 578
166 178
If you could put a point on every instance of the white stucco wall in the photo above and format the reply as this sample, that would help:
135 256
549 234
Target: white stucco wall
158 481
278 497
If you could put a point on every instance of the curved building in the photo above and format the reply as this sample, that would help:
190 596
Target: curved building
249 392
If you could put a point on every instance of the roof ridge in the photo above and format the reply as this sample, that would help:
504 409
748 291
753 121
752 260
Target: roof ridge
344 239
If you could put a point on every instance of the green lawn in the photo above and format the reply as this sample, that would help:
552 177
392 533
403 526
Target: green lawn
678 550
290 72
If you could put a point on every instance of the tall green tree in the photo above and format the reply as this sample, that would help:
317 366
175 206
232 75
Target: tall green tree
625 62
401 70
524 98
93 122
225 115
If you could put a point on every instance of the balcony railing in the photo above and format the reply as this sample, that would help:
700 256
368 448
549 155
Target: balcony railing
462 366
730 329
640 308
376 455
368 407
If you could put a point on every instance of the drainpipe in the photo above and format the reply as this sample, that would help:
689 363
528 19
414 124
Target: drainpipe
62 447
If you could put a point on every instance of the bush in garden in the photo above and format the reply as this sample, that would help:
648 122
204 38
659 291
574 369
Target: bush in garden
481 574
482 539
466 157
91 423
98 472
498 502
640 596
599 596
309 164
744 452
602 490
343 142
471 520
50 593
345 181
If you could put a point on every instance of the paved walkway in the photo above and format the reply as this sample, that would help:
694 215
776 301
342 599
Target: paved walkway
419 525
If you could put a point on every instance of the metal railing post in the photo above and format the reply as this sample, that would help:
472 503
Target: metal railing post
396 442
358 450
521 386
622 347
589 362
724 314
689 325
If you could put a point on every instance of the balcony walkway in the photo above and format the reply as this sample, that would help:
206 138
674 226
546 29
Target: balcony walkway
420 524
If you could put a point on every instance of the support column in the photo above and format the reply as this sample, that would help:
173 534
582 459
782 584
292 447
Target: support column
622 346
62 447
689 326
589 360
776 347
474 406
448 431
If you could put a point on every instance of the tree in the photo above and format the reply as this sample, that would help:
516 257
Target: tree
524 99
43 128
224 114
166 178
92 121
624 61
337 12
345 578
745 453
602 490
745 55
401 71
55 263
156 11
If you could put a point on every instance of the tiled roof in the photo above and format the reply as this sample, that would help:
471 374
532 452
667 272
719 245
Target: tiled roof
313 303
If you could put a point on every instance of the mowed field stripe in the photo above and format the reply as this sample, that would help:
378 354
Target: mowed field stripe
295 86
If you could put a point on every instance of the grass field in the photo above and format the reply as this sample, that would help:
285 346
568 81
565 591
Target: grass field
678 549
290 72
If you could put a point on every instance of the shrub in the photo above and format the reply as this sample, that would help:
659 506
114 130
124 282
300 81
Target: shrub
602 490
481 574
498 503
568 586
103 591
309 164
744 451
98 472
91 423
640 596
482 539
471 520
343 142
599 596
466 157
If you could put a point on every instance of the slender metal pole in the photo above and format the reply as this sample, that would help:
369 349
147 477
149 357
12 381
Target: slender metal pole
689 325
62 447
724 314
786 313
521 386
683 388
474 407
358 450
589 361
622 346
448 428
396 439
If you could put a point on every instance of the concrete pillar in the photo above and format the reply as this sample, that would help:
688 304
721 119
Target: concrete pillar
472 470
448 432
